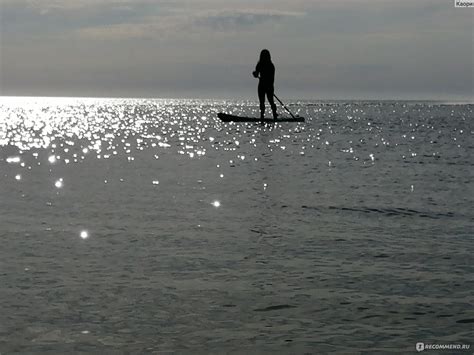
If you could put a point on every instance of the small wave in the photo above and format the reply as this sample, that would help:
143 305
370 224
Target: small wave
274 308
397 211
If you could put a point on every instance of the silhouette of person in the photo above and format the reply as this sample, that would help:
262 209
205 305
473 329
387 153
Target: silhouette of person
265 71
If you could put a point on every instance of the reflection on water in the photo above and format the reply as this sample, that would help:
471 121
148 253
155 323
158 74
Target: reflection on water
149 225
72 129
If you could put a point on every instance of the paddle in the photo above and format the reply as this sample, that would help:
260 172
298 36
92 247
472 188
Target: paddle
276 97
286 108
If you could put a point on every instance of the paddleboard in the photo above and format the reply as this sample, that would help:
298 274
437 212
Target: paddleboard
231 118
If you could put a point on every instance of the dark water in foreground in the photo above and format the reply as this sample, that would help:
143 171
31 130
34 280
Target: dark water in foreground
148 226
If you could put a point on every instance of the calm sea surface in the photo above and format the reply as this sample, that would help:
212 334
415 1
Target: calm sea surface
150 226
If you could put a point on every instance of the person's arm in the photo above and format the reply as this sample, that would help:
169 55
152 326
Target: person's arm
256 72
273 74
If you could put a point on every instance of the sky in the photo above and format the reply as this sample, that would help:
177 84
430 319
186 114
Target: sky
331 49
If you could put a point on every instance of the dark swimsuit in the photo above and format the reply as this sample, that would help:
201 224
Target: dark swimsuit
265 85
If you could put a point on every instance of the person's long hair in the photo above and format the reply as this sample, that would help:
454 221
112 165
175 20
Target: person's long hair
265 57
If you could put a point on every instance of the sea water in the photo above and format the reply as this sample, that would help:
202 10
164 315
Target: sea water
143 225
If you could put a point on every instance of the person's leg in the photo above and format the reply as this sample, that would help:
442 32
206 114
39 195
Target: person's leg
270 92
261 98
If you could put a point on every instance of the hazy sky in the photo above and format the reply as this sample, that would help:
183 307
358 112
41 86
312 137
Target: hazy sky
419 49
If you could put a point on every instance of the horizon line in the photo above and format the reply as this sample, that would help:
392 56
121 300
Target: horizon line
466 101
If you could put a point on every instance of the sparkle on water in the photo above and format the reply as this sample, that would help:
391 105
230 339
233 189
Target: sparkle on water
301 200
59 183
13 160
71 130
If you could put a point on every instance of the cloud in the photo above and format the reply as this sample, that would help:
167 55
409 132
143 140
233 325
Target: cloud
240 19
55 19
154 27
150 27
127 19
150 18
149 45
